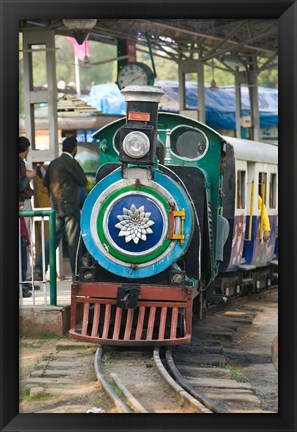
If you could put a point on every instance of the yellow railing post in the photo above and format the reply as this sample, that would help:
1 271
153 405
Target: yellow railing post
251 211
262 210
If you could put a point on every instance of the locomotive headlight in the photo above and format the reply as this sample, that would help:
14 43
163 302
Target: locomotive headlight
136 144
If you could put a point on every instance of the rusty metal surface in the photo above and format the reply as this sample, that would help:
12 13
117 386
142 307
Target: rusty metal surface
156 320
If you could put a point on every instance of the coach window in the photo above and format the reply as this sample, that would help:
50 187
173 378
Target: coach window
262 180
272 194
240 199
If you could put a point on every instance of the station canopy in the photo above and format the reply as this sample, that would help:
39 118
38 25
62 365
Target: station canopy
231 42
219 103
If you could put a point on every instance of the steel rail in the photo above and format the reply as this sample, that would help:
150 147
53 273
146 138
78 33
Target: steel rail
120 405
181 390
200 396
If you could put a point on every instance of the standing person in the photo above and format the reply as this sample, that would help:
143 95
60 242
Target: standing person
25 175
63 179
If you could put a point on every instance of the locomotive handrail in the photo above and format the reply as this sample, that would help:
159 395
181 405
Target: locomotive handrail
52 247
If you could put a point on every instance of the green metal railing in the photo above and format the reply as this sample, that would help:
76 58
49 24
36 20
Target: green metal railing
52 247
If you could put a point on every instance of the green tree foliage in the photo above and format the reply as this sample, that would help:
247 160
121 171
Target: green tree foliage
269 78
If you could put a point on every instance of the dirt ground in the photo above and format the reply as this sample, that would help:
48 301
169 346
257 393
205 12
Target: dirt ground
88 395
253 348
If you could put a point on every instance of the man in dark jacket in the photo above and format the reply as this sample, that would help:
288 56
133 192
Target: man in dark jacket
63 179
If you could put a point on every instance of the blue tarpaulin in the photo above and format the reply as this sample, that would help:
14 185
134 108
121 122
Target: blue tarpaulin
219 103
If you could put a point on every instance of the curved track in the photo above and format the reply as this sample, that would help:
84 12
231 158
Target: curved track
152 388
193 378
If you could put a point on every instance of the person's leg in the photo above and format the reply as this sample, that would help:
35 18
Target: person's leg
73 233
28 222
24 258
24 254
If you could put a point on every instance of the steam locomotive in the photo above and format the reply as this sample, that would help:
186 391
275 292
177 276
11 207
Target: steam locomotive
159 241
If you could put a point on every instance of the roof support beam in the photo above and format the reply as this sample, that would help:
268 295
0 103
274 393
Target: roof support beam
268 65
244 44
213 52
240 44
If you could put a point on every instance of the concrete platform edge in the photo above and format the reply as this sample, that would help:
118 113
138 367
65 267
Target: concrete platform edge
44 321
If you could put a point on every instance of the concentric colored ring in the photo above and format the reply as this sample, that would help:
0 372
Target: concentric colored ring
161 185
102 226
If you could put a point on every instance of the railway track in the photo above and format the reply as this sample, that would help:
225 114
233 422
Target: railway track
153 388
203 377
194 378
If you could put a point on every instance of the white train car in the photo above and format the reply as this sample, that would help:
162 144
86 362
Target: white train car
250 178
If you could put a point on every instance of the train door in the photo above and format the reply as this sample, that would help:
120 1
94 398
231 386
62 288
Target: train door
272 209
239 214
262 193
230 279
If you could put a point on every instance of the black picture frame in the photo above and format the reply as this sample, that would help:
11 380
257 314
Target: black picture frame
286 13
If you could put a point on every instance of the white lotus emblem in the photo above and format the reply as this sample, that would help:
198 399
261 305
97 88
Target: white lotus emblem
134 224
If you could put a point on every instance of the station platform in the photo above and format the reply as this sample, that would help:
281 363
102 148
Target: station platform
38 318
63 293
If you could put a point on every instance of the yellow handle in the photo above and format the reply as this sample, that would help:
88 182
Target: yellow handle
171 234
262 210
